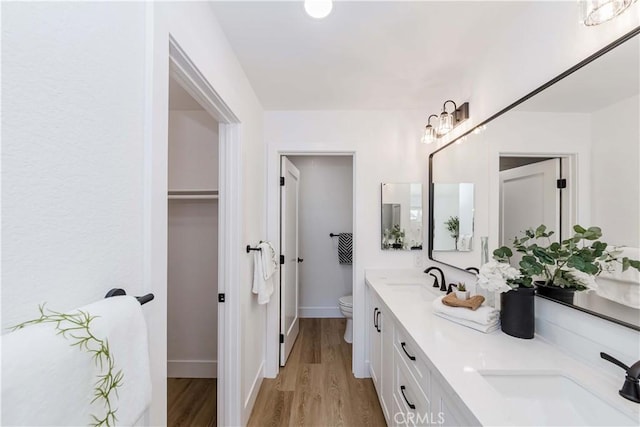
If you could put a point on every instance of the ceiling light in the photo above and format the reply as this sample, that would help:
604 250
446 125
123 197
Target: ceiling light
595 12
318 8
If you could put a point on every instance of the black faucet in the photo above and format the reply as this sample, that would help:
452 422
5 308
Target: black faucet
631 388
473 269
442 284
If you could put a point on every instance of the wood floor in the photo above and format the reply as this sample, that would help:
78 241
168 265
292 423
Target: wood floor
191 402
316 387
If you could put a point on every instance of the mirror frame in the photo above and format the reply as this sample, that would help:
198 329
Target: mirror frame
631 34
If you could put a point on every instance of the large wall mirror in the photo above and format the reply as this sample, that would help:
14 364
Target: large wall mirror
402 216
568 153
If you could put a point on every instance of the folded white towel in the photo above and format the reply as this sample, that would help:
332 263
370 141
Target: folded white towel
484 315
264 267
473 325
47 381
269 260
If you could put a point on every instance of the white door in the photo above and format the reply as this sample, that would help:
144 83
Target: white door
529 196
289 324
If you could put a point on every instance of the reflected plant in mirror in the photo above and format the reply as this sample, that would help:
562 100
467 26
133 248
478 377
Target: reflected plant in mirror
453 217
559 269
401 216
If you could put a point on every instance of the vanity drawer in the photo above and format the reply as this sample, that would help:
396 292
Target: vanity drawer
407 352
412 407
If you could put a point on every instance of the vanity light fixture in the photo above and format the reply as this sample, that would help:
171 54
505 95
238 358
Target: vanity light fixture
596 12
446 122
430 134
318 8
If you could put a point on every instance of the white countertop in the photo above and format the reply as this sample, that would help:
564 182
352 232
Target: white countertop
459 353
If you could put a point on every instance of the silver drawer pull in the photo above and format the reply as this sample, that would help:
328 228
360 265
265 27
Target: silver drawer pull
405 351
411 405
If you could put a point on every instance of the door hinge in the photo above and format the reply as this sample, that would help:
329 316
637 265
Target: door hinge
281 180
220 297
281 259
281 338
561 183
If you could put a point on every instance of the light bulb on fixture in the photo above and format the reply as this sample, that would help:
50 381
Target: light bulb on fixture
429 132
596 12
446 119
318 8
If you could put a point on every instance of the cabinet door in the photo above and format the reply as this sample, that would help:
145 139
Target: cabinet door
387 363
375 340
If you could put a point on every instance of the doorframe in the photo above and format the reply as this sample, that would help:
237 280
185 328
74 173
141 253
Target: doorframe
167 60
568 201
272 328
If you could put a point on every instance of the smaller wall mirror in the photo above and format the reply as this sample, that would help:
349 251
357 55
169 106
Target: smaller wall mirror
453 217
401 209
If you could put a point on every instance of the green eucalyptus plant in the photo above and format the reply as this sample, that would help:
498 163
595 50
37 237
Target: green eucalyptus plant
571 263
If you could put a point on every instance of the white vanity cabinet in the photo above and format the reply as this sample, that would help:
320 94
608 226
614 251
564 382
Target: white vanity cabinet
381 352
410 389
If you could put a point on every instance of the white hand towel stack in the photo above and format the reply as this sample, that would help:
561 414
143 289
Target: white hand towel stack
484 319
265 265
48 381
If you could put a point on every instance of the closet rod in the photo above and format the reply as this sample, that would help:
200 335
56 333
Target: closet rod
117 292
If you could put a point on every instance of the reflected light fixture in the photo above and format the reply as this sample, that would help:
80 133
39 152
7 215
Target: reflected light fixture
318 8
596 12
430 134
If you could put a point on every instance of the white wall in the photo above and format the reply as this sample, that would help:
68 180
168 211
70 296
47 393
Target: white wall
84 130
193 150
192 274
615 178
325 206
72 154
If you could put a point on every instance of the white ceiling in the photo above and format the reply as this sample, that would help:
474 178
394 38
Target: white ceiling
364 55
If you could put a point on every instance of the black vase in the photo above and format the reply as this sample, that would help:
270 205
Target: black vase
517 312
556 293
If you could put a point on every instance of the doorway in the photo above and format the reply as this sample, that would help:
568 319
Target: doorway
192 261
535 190
324 217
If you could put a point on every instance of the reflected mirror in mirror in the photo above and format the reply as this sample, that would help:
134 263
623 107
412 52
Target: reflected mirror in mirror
453 217
582 132
402 216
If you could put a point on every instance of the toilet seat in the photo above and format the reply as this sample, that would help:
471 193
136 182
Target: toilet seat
346 301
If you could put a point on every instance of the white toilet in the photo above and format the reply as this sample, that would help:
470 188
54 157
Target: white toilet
346 308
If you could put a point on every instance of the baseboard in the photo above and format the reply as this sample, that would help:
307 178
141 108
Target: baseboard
192 368
319 312
253 394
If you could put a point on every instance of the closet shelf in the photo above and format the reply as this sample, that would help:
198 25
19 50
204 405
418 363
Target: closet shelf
193 194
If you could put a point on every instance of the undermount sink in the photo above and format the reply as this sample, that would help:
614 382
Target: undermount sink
553 399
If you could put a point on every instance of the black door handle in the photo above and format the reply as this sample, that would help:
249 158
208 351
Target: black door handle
300 260
375 318
378 327
405 351
411 405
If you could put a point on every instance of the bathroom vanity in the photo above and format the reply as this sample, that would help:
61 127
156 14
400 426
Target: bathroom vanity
430 371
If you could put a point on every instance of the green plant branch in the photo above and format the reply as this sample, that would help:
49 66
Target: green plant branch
80 334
